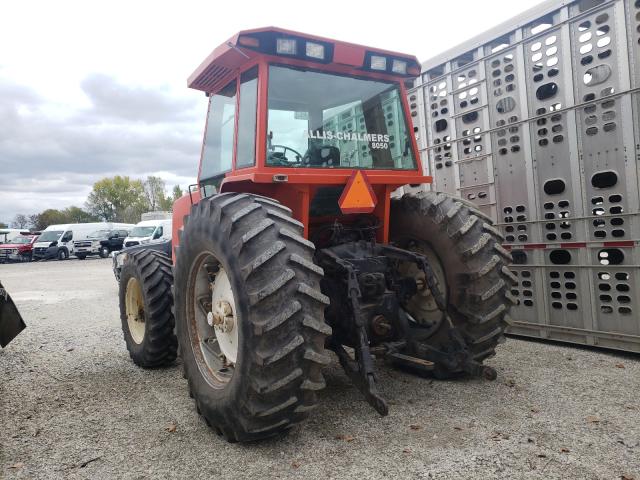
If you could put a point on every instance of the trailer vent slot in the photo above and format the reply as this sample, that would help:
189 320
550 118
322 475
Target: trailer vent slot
597 75
546 91
554 187
610 256
560 257
605 179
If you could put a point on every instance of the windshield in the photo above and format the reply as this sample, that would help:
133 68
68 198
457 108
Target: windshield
324 120
99 234
50 236
21 240
142 231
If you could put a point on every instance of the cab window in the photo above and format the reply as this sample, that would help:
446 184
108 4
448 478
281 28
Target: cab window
217 153
246 155
360 124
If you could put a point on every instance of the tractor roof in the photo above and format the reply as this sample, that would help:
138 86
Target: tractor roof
216 70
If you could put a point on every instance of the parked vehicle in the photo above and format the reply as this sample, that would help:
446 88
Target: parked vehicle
157 215
102 242
8 234
293 242
19 249
147 231
56 241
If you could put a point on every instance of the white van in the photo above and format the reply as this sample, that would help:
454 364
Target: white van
149 230
56 241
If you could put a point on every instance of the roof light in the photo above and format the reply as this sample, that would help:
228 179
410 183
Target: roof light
399 66
247 41
315 50
286 46
378 63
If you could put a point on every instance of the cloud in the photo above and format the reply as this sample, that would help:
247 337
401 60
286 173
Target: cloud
113 100
50 155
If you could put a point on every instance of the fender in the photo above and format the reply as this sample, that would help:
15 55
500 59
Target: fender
11 322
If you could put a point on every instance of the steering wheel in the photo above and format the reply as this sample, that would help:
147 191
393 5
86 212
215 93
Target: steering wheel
280 158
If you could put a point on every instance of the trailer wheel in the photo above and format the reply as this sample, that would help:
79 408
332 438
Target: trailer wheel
465 252
104 252
145 308
249 316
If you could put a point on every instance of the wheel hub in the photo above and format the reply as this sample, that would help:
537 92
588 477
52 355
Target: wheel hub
222 317
134 306
422 306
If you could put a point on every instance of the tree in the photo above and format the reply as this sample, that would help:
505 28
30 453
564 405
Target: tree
166 203
50 216
117 199
20 221
177 192
157 198
33 220
75 214
3 225
154 190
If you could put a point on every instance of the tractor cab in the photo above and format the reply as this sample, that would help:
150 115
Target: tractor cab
292 116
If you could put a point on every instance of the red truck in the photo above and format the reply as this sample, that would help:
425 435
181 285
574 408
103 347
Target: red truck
19 249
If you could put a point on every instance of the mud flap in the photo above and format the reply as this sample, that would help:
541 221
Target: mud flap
11 323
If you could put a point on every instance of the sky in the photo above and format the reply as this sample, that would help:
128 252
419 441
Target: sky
93 89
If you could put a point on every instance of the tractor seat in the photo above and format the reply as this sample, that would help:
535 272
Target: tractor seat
322 156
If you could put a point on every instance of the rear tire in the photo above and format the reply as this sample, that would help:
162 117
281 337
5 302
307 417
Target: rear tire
278 309
147 321
472 260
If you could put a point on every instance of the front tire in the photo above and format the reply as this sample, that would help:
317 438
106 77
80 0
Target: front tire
466 250
104 252
273 299
81 256
63 254
145 308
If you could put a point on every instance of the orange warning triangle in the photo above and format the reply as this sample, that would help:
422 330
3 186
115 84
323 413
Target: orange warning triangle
357 196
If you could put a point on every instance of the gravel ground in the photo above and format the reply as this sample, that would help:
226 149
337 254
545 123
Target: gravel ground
73 405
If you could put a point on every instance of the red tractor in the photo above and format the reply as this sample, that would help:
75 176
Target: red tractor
293 243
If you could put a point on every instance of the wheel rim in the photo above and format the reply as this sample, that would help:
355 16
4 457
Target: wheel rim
134 303
422 306
212 320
